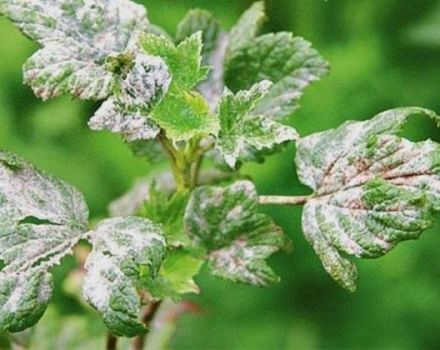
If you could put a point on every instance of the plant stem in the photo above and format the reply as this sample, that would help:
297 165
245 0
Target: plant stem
147 318
284 200
112 342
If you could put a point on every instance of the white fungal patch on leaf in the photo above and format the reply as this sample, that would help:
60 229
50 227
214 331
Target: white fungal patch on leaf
131 125
226 222
76 37
42 218
124 249
241 130
372 189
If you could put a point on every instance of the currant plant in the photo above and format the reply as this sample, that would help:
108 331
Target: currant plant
204 95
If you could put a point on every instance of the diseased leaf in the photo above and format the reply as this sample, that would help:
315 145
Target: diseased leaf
127 113
123 250
289 62
240 129
76 38
372 189
42 218
132 126
226 222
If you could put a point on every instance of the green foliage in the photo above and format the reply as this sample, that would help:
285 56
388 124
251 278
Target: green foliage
206 93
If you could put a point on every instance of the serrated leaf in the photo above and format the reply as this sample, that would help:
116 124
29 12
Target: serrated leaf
176 276
289 62
185 115
372 189
42 218
161 208
123 249
184 60
241 129
76 39
247 28
213 51
226 222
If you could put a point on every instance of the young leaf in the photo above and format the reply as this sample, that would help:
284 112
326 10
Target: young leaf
176 276
76 39
240 129
42 218
372 189
161 208
226 222
213 51
183 61
185 115
123 249
289 62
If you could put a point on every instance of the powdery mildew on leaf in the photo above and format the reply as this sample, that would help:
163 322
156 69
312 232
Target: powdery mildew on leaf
289 62
226 222
76 37
42 218
123 248
372 189
241 129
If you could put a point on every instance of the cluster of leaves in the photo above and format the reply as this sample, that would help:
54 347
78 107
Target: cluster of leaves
209 92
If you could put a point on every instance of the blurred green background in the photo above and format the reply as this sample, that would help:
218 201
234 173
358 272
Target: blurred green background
383 54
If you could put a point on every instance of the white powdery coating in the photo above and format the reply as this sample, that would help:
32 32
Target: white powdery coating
121 246
76 37
132 126
147 82
371 190
241 131
26 192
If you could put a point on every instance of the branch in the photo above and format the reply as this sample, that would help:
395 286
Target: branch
284 200
150 312
112 342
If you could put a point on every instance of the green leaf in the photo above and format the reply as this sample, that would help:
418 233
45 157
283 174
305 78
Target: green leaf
185 115
183 61
226 222
372 189
247 28
213 51
161 208
289 62
123 249
176 276
241 129
42 218
76 39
